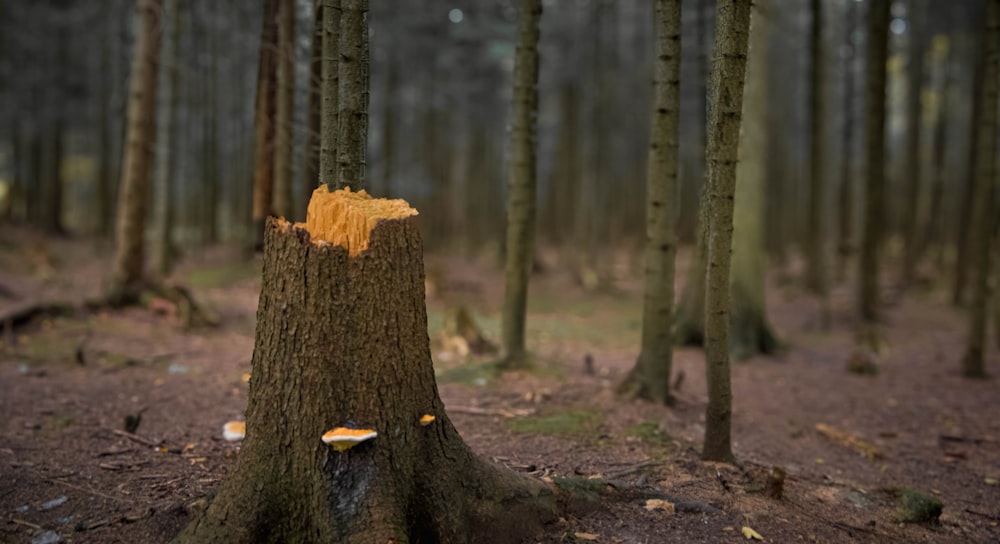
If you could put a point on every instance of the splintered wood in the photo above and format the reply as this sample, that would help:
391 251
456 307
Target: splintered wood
346 219
849 440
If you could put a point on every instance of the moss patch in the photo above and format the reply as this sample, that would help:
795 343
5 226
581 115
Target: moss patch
470 374
223 276
574 422
650 432
915 506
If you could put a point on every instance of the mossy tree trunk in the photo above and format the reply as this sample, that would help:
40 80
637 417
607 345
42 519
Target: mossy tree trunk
352 101
284 117
342 338
868 274
816 273
521 185
163 181
264 129
984 209
127 264
650 378
329 109
750 330
728 76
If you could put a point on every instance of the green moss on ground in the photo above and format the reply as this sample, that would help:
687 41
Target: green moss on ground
577 421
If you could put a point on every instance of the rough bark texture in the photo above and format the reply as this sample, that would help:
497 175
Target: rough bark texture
263 169
126 275
521 185
651 376
750 330
816 274
728 76
868 274
165 160
331 90
352 118
983 217
343 340
914 127
284 112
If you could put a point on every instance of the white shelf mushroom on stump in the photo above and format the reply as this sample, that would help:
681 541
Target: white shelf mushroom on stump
342 337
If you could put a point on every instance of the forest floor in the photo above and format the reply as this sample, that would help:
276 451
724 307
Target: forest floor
848 443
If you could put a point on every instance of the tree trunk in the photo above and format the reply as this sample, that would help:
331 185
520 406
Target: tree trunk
868 275
931 233
331 90
127 272
264 112
983 217
352 118
650 378
105 190
914 127
163 181
521 185
750 330
210 153
341 316
816 274
728 76
310 159
845 220
284 114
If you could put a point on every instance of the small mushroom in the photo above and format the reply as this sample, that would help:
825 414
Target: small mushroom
342 438
426 420
234 431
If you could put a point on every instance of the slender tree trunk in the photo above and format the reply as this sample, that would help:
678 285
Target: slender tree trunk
728 77
983 219
352 119
310 159
342 315
331 91
650 378
127 271
965 238
166 160
264 113
389 120
283 145
816 275
750 329
521 185
931 232
845 220
868 276
210 153
914 128
105 190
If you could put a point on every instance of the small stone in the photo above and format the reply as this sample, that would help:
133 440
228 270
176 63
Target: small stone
46 537
918 507
58 501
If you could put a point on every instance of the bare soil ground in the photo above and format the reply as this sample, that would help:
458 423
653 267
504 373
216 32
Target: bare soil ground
68 383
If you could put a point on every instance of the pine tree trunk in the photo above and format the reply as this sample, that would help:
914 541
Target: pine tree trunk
750 330
521 185
127 266
352 118
163 179
284 114
728 76
264 113
914 127
310 159
650 378
342 340
984 209
868 275
331 91
816 275
845 219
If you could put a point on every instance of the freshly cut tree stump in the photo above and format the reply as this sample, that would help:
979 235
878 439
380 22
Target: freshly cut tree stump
342 341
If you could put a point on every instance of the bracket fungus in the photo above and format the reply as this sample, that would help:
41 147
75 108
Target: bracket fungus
234 431
342 438
426 420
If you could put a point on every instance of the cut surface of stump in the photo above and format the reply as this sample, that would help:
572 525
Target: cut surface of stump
341 355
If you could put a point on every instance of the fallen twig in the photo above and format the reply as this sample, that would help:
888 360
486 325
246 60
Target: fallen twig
136 438
849 440
25 523
86 490
476 411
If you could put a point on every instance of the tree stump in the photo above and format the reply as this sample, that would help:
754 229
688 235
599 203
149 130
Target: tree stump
341 341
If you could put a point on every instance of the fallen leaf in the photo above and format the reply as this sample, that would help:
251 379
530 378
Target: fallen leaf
660 504
750 533
990 481
729 528
586 536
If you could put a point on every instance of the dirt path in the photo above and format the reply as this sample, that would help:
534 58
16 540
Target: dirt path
67 385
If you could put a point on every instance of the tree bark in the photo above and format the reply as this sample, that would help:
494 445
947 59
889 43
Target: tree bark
127 271
284 111
521 185
728 77
650 378
914 128
310 159
336 325
750 330
163 181
331 91
264 112
984 209
816 275
845 220
868 275
352 118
